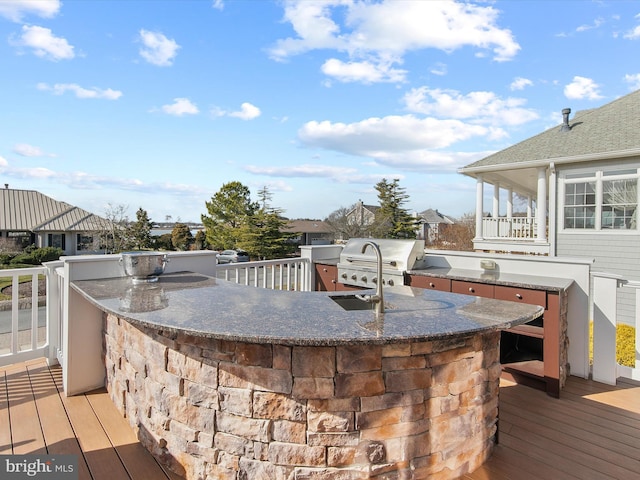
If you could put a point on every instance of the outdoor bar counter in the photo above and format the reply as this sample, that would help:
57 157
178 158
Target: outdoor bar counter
237 382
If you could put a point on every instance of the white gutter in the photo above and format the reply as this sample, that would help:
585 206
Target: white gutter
547 161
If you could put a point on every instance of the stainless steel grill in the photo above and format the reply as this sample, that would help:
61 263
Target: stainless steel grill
359 269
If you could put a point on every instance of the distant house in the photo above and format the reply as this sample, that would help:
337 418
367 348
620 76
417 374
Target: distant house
432 222
583 177
362 215
311 232
29 217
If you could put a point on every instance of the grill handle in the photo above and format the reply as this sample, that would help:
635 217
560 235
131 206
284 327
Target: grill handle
367 259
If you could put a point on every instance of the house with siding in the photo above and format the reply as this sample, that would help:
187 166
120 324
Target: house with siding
580 182
311 232
28 217
432 223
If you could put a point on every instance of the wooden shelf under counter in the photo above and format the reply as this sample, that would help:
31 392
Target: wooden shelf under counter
537 365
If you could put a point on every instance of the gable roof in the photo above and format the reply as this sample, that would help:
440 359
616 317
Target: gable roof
308 226
610 131
28 210
432 216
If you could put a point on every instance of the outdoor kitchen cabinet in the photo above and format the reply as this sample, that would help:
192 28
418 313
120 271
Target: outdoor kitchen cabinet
327 279
530 353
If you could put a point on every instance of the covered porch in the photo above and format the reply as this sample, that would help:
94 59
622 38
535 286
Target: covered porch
499 227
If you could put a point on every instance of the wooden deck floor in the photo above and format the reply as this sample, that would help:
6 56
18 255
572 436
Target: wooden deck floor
591 432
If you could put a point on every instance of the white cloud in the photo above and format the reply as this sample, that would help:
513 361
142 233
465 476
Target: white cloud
26 150
381 33
218 4
306 170
633 80
596 23
87 181
633 34
439 69
180 107
520 83
337 174
81 92
582 87
158 49
364 72
376 137
43 43
478 107
247 112
16 10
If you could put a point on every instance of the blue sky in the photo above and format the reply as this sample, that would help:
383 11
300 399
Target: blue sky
157 104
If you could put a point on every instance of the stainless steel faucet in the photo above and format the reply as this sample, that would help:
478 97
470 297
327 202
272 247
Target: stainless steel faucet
377 299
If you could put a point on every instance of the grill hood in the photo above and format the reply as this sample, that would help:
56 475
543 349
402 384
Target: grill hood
398 256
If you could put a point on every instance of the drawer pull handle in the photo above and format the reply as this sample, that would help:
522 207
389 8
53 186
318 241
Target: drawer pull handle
518 296
471 290
432 285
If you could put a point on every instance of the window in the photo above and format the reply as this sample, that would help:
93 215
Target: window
84 242
619 202
57 240
580 205
606 200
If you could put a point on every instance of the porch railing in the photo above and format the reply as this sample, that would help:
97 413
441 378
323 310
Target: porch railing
514 228
281 274
23 318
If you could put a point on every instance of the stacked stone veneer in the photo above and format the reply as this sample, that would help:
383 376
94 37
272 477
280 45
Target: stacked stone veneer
232 410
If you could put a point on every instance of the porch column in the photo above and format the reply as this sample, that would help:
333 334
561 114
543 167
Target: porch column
479 207
529 206
541 204
509 202
496 200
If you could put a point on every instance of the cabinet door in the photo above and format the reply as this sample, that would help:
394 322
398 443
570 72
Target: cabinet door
326 276
434 283
472 288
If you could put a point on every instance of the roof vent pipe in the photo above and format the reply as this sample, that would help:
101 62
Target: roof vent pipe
565 120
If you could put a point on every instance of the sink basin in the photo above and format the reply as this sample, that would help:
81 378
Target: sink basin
351 302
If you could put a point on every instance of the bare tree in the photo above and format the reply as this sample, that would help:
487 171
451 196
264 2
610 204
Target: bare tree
115 233
344 226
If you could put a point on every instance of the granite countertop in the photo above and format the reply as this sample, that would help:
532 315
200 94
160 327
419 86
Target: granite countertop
204 306
496 278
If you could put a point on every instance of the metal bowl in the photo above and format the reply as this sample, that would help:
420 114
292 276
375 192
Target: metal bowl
143 267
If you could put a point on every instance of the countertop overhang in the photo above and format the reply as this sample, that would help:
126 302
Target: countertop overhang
204 306
495 277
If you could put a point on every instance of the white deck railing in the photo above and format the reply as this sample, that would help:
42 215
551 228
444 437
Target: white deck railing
514 228
23 320
282 274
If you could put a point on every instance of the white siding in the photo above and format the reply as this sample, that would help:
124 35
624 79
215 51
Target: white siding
618 254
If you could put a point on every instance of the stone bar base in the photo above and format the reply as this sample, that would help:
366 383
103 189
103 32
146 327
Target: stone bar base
231 410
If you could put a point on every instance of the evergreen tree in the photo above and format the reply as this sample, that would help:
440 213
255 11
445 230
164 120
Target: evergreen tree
200 241
140 230
265 235
229 211
181 237
392 220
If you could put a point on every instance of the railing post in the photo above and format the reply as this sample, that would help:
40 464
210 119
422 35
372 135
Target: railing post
54 318
605 287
